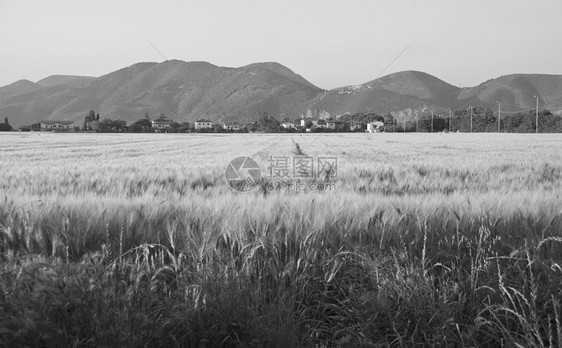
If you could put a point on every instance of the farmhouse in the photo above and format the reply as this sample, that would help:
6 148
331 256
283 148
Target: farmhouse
355 126
375 127
305 120
335 125
90 121
288 125
56 126
162 125
201 124
233 126
321 124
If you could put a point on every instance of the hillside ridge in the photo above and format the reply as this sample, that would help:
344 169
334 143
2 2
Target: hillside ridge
186 91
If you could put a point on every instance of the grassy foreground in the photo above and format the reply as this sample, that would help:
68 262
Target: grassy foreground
137 240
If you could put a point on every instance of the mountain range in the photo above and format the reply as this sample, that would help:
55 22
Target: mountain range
187 91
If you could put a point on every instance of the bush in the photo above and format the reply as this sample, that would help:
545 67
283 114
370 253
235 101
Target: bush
5 127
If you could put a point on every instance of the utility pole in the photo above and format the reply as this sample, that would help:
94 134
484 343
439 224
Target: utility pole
537 116
470 118
431 121
499 114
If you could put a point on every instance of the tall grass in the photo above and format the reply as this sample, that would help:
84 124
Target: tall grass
98 248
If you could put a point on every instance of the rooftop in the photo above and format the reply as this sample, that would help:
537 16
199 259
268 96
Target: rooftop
56 122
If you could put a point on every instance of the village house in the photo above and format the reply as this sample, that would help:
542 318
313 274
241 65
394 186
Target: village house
56 126
288 125
321 124
162 124
355 126
202 124
335 125
305 120
90 121
232 126
375 127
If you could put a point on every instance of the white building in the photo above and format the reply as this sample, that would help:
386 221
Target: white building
162 125
201 124
374 127
288 125
305 120
233 126
56 126
335 125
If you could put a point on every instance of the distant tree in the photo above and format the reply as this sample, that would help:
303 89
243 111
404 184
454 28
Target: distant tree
107 125
441 124
372 117
525 122
308 124
217 128
184 127
135 128
146 116
5 127
389 122
484 120
6 121
549 122
175 127
268 124
103 126
251 127
144 124
97 117
92 115
119 125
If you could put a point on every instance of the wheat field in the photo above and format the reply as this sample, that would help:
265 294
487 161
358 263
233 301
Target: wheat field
423 240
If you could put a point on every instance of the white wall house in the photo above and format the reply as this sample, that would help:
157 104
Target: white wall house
335 125
305 120
162 125
58 126
231 126
374 127
201 124
355 126
288 125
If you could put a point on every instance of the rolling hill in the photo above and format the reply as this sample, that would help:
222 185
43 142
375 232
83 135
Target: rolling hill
186 91
516 92
55 80
410 93
407 90
18 88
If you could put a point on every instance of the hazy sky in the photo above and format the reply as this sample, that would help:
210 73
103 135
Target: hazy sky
330 43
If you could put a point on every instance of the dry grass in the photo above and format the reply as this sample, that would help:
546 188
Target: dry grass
441 240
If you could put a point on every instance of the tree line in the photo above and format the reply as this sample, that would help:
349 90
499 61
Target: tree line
479 119
5 127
